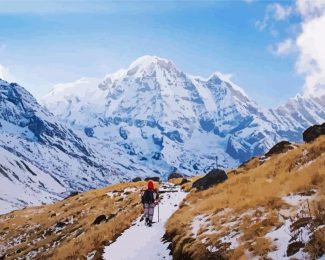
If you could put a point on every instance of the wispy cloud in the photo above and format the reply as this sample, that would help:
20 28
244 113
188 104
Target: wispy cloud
284 48
5 74
274 12
307 43
281 12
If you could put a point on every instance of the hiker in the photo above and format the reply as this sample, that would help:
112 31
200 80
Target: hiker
149 201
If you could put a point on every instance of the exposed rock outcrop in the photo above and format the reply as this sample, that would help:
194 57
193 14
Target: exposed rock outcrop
213 177
313 132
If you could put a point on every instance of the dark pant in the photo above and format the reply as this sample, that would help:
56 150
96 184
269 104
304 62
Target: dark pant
149 210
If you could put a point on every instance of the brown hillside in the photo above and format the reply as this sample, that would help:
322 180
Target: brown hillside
65 230
245 216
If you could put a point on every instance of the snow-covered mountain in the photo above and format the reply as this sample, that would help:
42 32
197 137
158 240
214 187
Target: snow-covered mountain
298 114
40 158
148 119
23 184
154 116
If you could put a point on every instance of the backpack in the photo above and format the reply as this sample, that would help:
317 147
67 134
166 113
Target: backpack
147 197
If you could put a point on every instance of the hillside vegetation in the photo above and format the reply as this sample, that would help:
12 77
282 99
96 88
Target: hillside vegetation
67 229
270 207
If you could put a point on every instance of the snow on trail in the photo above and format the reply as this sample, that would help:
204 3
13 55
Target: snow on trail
142 242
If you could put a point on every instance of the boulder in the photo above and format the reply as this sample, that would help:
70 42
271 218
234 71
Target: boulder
136 179
281 147
157 179
100 219
175 175
313 132
213 177
294 247
183 181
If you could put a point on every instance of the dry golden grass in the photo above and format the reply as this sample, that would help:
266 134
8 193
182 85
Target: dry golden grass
251 198
176 181
33 229
187 186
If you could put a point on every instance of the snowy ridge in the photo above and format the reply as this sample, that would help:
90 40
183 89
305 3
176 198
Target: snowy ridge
161 119
32 136
301 112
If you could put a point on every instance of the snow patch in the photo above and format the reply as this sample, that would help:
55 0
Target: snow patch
200 221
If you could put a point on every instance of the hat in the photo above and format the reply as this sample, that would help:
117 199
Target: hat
150 185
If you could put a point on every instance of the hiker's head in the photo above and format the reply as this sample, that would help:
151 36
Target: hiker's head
150 185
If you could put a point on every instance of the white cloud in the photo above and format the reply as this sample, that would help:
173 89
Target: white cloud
310 43
310 9
5 74
285 47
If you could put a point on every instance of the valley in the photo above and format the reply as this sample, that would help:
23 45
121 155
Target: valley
271 206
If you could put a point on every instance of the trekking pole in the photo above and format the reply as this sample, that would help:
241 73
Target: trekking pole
158 211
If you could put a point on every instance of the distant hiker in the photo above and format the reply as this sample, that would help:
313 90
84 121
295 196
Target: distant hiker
149 200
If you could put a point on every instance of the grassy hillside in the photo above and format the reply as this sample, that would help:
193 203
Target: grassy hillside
270 207
65 230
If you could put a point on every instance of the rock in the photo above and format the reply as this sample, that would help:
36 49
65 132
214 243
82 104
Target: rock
157 179
281 147
136 179
183 181
213 177
313 132
294 247
300 223
60 224
110 216
175 175
48 232
100 219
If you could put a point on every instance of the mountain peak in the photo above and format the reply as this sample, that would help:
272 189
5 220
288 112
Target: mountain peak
148 59
149 62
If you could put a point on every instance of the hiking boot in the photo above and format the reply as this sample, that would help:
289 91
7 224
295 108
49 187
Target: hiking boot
150 223
147 221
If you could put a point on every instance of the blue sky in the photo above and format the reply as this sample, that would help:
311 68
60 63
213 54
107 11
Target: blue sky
43 43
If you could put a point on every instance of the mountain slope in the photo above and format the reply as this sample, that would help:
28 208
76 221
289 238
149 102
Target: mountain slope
161 119
30 135
22 184
76 227
273 207
298 114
